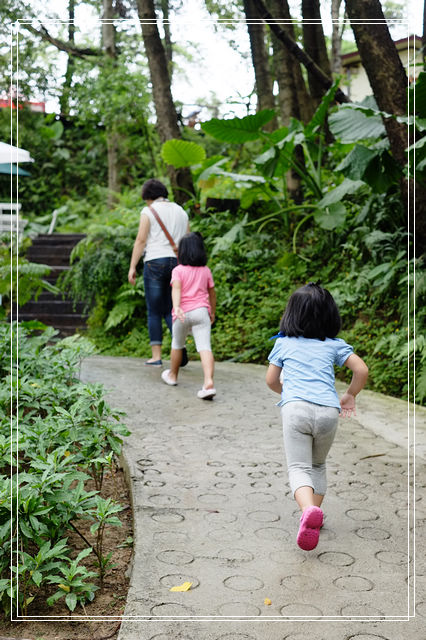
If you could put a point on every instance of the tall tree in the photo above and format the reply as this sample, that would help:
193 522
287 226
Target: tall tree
336 37
260 59
66 88
167 119
293 97
296 51
388 81
110 49
314 45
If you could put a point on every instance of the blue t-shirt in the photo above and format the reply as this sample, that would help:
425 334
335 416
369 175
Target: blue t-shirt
308 368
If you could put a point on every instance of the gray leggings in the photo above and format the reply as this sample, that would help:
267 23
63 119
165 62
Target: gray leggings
309 431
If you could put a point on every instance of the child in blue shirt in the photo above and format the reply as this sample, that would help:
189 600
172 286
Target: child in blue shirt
301 370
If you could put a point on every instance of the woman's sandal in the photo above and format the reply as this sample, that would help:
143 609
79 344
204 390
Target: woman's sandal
165 378
154 363
206 394
309 530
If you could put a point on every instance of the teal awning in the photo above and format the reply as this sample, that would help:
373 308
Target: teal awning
12 169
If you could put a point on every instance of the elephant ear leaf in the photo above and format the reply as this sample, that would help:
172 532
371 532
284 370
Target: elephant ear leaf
238 130
181 153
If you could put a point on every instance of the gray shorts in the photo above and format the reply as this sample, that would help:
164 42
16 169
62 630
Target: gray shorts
309 431
196 322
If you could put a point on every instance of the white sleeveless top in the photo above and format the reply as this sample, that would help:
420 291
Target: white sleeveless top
174 218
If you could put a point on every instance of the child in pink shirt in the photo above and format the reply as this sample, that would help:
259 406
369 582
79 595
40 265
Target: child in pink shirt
194 305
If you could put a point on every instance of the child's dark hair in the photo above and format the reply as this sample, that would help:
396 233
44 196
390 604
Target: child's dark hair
191 250
311 312
153 189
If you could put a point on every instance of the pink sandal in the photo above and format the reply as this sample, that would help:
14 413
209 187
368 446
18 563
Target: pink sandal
309 530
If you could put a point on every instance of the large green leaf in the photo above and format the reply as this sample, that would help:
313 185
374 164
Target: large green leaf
335 195
349 124
356 162
321 112
238 130
331 217
181 153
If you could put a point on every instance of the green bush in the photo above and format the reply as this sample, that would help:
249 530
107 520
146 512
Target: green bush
67 435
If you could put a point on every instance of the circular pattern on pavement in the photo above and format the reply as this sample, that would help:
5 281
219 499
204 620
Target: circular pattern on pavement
174 579
170 537
370 533
243 583
361 514
220 517
168 518
163 499
263 516
286 558
392 557
299 609
172 556
299 583
171 609
261 497
353 583
360 609
235 555
336 558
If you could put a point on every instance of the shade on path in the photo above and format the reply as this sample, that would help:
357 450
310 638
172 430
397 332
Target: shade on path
212 507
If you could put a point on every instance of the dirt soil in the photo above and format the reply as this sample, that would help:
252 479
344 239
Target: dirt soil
110 600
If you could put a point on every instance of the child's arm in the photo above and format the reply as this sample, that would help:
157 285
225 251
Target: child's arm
176 297
273 378
212 300
359 378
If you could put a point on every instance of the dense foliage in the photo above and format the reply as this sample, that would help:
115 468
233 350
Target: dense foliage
350 232
56 433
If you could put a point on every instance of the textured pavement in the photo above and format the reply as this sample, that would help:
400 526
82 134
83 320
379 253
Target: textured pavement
212 507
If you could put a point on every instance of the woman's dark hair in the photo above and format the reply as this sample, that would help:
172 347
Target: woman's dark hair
191 250
153 189
311 312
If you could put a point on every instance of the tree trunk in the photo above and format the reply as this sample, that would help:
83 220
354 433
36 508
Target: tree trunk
336 37
314 45
388 81
383 66
260 58
66 89
424 35
167 37
167 119
293 97
296 51
109 46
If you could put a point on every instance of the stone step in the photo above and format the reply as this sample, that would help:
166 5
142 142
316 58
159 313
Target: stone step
58 239
58 321
52 258
54 250
53 307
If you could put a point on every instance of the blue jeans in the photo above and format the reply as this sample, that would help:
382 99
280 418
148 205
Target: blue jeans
158 296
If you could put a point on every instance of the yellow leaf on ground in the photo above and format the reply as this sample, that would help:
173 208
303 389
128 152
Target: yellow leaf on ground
267 601
183 587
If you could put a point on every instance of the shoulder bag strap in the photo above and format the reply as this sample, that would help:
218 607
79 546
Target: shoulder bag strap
166 233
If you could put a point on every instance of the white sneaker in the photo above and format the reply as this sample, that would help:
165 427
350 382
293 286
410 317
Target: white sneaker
165 378
206 394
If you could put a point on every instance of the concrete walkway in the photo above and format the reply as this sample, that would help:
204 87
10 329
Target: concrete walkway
212 507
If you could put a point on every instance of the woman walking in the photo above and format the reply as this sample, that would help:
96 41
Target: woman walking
162 224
